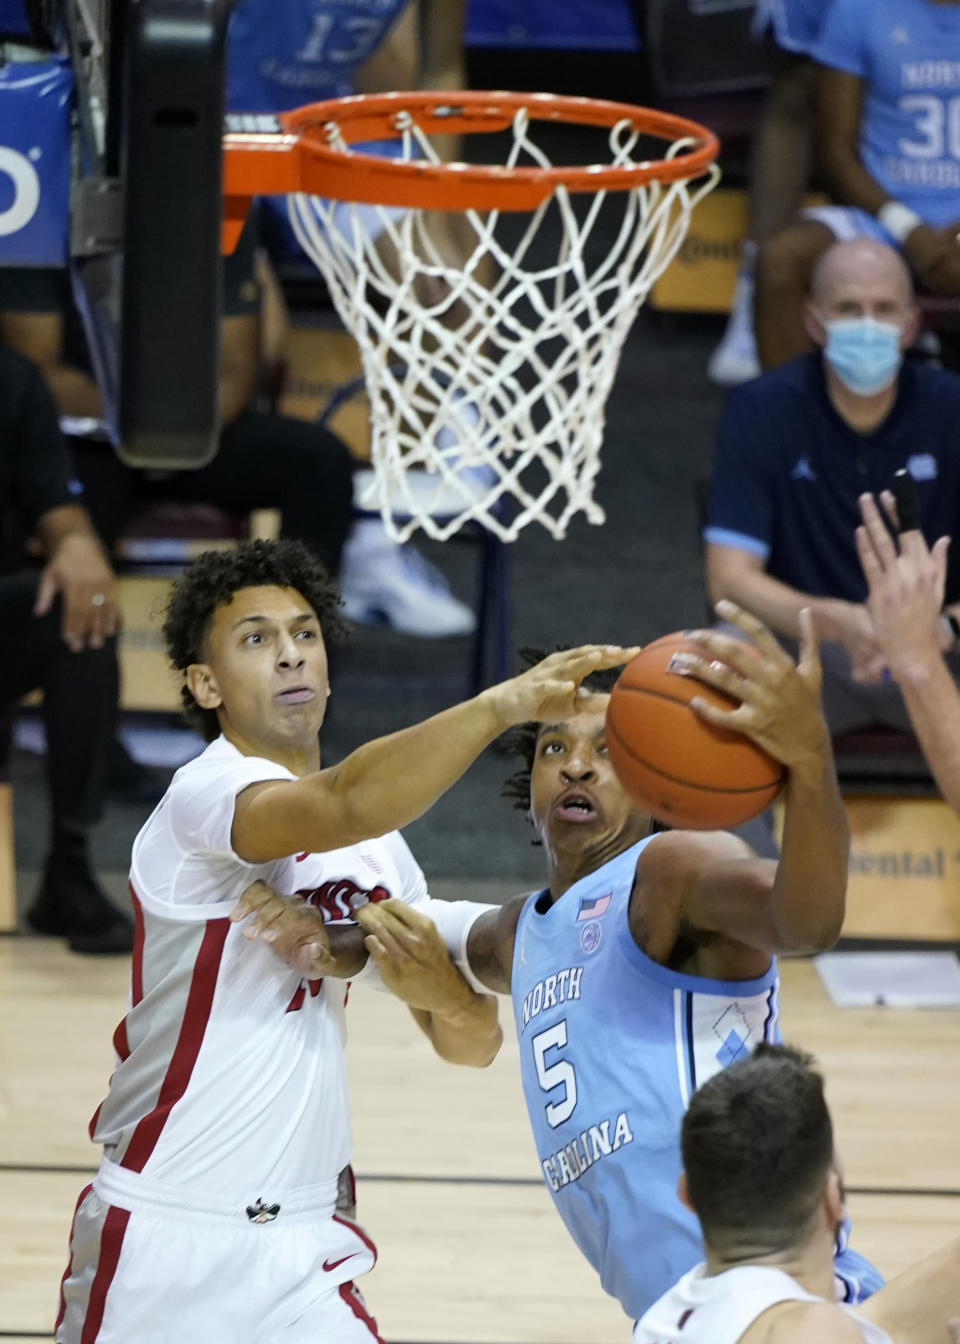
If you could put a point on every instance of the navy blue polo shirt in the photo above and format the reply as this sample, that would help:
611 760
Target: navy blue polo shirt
788 471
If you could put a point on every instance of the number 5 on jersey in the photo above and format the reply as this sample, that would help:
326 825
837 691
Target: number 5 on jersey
560 1074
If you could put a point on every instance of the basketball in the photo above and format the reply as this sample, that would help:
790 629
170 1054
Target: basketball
682 770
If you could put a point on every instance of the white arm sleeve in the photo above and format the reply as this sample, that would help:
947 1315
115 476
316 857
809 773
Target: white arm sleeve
454 920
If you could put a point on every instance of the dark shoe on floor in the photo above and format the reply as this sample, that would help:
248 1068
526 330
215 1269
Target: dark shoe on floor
71 905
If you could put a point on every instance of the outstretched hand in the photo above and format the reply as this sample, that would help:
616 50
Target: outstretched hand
551 689
906 587
295 931
411 956
779 705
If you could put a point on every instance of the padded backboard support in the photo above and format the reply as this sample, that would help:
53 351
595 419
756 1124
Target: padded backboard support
171 151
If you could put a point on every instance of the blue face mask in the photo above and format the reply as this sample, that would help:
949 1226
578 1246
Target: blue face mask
863 353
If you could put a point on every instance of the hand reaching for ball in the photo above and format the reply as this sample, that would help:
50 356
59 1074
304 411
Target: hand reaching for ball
779 705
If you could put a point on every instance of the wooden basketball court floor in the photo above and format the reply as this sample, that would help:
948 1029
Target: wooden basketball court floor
470 1247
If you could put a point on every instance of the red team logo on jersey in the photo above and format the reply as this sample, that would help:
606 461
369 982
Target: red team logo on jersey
338 900
335 901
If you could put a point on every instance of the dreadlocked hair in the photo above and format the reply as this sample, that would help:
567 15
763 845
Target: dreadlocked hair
212 579
522 740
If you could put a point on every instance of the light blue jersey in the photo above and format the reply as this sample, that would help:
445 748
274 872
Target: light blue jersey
612 1046
907 52
795 23
282 55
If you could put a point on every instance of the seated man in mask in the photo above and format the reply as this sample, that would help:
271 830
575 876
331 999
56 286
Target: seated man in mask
800 444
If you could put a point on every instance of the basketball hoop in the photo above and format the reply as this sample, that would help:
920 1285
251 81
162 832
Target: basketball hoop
487 396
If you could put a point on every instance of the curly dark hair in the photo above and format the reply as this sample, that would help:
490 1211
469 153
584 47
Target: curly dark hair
522 740
214 577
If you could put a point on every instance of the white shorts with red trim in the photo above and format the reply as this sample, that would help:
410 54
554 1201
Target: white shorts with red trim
170 1269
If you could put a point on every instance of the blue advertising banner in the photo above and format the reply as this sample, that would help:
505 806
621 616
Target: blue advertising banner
577 25
35 110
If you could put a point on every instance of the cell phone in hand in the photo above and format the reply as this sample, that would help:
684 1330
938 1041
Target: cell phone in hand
904 490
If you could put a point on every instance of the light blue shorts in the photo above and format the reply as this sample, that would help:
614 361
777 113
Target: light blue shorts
847 222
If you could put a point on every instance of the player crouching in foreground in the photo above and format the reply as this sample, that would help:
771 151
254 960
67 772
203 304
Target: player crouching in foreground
646 964
762 1177
226 1123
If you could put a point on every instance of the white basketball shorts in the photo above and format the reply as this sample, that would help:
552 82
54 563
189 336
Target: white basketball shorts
151 1264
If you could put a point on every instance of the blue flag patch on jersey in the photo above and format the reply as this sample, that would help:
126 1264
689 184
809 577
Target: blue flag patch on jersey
592 907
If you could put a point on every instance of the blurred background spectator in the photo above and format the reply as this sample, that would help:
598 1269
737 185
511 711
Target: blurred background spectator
280 58
60 622
797 447
887 129
781 158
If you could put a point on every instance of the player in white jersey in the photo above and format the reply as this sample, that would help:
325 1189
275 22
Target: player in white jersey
762 1176
647 963
226 1122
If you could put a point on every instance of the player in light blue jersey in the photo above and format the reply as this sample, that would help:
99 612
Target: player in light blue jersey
647 963
281 56
778 172
795 23
889 123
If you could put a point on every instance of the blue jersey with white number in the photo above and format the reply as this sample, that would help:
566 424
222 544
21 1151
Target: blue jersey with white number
612 1046
282 55
907 52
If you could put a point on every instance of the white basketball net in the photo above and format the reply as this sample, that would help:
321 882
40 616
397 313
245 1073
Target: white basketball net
487 395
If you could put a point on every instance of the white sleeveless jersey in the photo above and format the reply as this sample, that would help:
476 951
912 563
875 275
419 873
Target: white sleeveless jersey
230 1073
720 1308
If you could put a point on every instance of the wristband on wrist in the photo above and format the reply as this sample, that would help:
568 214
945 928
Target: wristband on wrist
898 220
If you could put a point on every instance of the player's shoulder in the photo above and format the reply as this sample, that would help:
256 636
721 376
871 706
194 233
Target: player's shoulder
792 384
672 852
219 770
799 1321
937 388
858 12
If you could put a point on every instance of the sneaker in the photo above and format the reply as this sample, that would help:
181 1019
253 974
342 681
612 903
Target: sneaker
735 359
70 904
387 584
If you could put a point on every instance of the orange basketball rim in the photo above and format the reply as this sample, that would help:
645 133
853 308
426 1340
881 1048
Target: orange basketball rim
311 152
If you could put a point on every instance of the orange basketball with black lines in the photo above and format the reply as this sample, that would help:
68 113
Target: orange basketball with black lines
679 768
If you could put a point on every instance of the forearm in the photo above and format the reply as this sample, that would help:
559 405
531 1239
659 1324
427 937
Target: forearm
933 703
442 62
67 520
469 1033
839 101
74 391
775 603
850 182
809 891
390 782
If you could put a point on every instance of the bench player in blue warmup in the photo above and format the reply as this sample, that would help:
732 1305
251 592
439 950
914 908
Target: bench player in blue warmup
647 963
